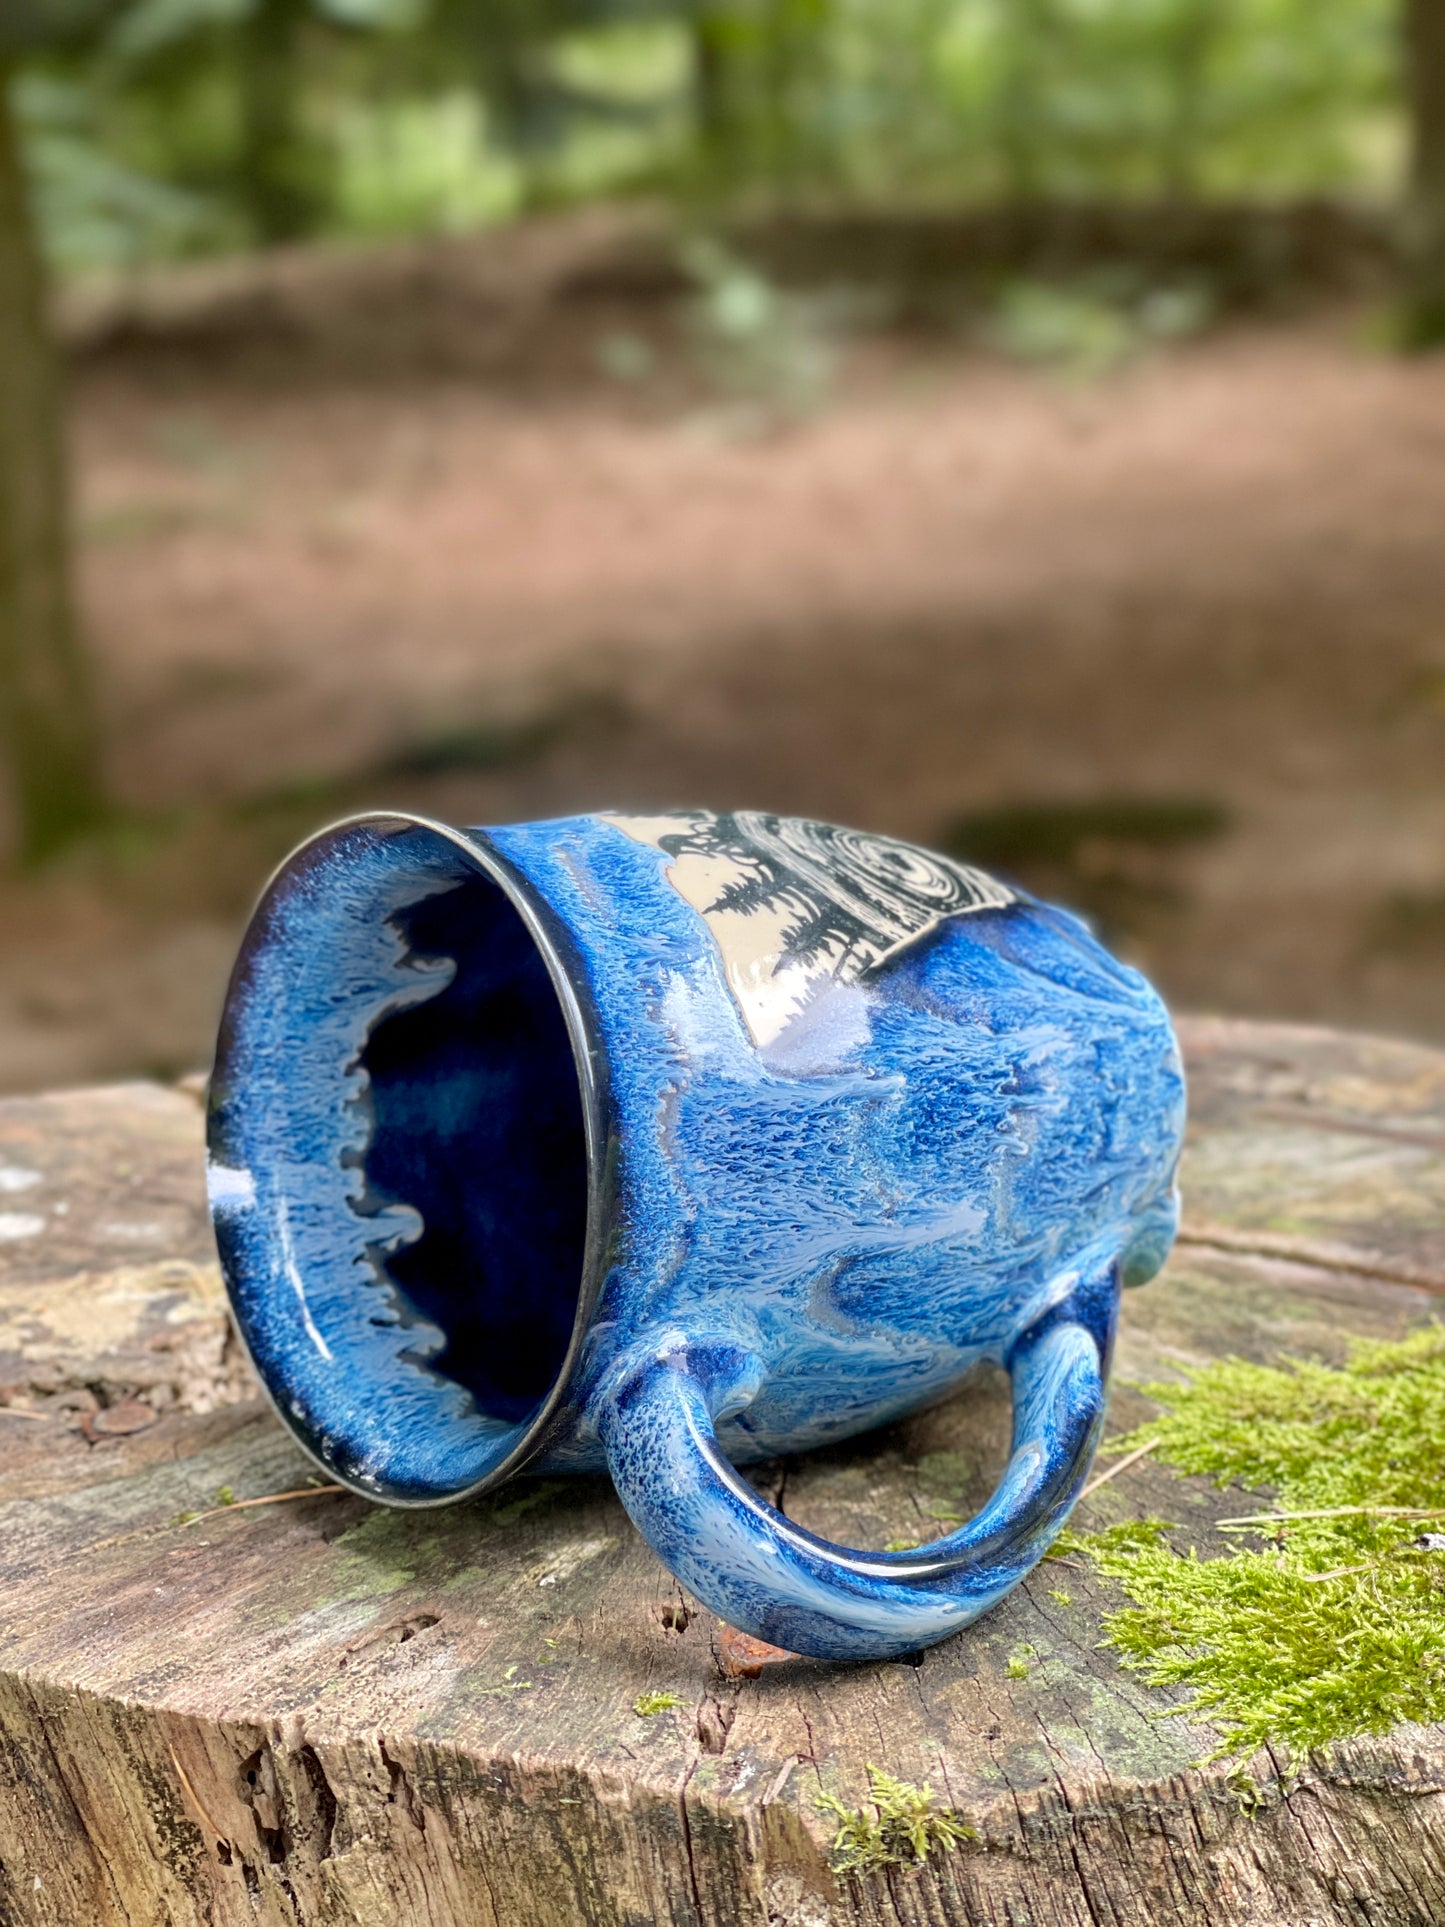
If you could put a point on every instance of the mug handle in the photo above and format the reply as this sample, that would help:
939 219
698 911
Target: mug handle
781 1583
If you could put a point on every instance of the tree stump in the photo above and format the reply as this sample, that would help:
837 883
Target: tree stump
319 1711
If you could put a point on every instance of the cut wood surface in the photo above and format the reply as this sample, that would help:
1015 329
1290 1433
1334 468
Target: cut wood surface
320 1711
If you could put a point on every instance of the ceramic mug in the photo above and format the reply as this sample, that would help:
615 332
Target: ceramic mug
664 1144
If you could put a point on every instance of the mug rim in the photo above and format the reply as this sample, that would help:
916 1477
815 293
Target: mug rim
552 940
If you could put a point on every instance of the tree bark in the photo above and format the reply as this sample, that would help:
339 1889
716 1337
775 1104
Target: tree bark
47 717
314 1712
1425 230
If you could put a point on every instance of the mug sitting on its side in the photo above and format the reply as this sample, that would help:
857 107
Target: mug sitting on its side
663 1144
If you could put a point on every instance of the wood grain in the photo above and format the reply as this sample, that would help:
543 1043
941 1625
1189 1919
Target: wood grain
321 1712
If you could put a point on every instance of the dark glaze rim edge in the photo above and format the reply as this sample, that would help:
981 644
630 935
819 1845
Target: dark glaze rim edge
552 940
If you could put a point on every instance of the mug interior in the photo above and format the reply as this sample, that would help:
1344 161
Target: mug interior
399 1151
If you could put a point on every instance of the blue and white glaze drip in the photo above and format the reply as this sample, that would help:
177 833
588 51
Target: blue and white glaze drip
660 1145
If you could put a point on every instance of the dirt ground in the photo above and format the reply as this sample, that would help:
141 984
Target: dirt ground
1170 643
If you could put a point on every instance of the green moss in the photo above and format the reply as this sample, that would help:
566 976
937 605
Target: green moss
1129 1535
508 1683
903 1830
376 1557
1247 1791
946 1473
646 1704
1329 1620
941 1478
507 1513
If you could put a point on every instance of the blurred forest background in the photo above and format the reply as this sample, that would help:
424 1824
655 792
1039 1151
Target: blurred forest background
1006 423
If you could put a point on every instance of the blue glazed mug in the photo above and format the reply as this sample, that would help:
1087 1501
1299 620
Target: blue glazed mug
658 1145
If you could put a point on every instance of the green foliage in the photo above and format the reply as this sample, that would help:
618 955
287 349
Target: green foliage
399 115
757 342
1335 1625
150 27
1087 330
1409 923
416 165
31 26
1026 833
95 210
1113 858
1055 97
905 1828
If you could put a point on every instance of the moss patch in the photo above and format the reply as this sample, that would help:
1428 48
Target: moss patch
1329 1620
646 1704
905 1827
945 1474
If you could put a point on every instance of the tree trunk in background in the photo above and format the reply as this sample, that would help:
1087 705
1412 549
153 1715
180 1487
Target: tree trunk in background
276 175
46 714
1020 111
1191 45
521 124
714 90
1425 232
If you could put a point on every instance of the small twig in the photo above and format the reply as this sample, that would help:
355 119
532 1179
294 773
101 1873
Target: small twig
1335 1572
779 1780
1140 1452
18 1411
269 1498
1335 1512
195 1797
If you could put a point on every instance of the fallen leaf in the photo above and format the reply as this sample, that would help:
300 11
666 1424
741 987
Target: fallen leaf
740 1656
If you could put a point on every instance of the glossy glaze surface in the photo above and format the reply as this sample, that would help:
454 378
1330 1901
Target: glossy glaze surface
725 1136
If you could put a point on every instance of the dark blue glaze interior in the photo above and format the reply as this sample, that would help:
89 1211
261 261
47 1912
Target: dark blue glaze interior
398 1162
477 1124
